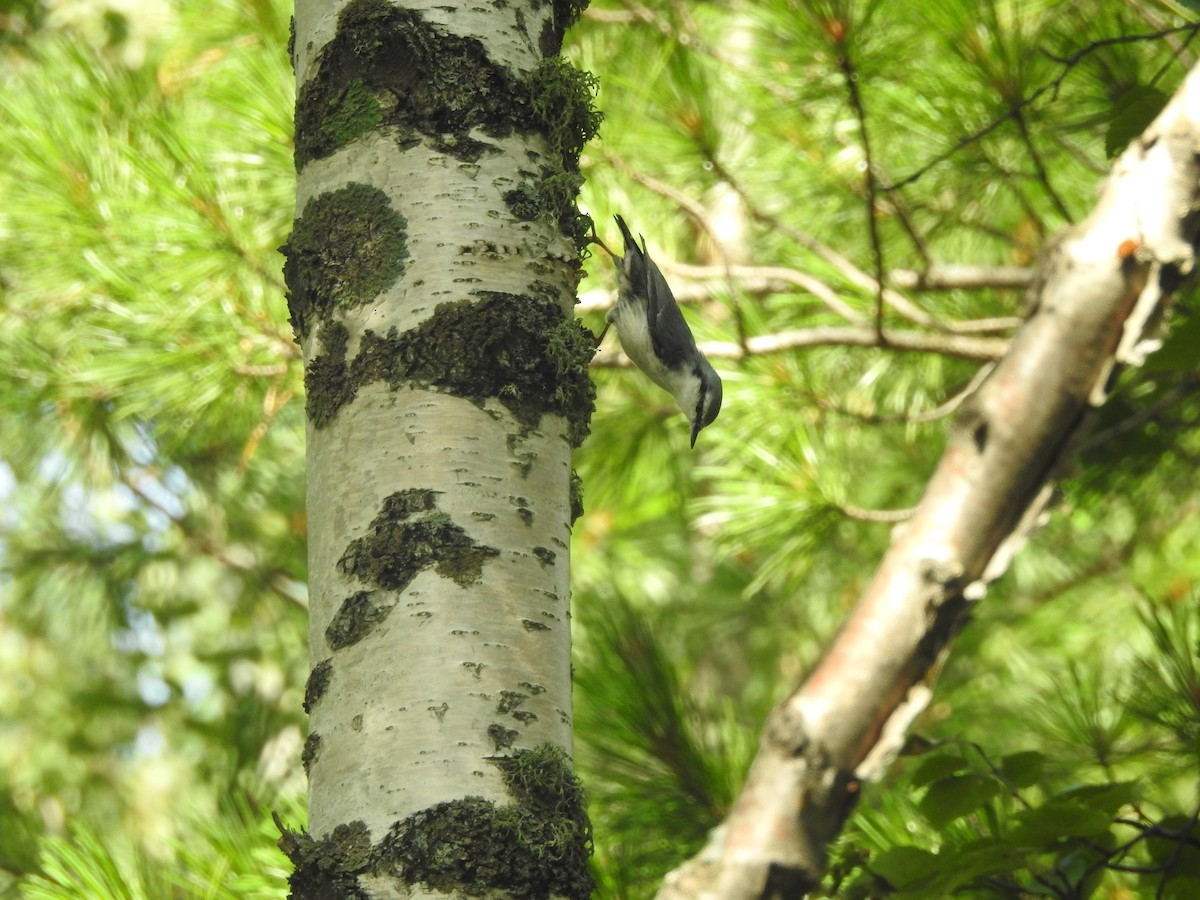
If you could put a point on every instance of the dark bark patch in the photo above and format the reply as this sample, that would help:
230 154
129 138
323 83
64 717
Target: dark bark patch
329 867
552 194
979 436
536 847
502 738
564 14
510 700
519 350
327 387
318 683
389 68
409 536
311 752
475 668
425 83
357 617
576 496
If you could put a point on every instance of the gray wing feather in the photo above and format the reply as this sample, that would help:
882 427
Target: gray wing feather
669 332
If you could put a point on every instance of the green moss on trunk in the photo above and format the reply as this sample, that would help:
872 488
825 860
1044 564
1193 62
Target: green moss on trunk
347 247
535 847
408 536
516 349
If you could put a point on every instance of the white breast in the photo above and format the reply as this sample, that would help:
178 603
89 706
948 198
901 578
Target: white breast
630 319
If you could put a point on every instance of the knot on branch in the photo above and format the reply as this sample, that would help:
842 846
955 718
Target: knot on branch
943 578
786 732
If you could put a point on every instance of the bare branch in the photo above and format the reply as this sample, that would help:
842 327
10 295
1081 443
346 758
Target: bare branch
693 208
962 346
963 277
1039 166
864 514
768 280
940 411
780 278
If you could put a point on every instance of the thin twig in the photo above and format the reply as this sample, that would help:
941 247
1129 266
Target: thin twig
695 211
918 240
768 280
962 277
1043 175
860 113
700 216
276 579
1190 384
887 516
784 277
999 775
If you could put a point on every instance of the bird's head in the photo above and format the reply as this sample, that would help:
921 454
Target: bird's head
708 398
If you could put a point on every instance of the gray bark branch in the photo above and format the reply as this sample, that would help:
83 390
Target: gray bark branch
1100 292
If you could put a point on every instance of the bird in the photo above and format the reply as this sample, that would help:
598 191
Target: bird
654 334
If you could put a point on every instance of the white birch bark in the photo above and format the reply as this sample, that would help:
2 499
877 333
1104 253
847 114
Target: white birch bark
424 683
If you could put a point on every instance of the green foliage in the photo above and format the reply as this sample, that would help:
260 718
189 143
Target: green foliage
230 857
661 761
152 595
956 822
152 552
730 137
1131 114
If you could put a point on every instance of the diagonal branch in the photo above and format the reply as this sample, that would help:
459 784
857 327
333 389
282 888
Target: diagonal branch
1102 286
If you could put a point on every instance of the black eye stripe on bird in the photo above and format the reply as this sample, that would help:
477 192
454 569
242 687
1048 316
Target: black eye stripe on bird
656 337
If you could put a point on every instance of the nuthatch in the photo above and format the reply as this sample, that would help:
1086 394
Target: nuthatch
655 336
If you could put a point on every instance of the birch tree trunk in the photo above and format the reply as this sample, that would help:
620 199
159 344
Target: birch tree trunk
1101 292
432 272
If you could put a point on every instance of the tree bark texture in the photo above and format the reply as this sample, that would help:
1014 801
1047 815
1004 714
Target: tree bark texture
1101 291
432 271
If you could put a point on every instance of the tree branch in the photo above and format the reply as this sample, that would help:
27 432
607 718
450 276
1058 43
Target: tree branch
982 349
946 408
1102 284
962 278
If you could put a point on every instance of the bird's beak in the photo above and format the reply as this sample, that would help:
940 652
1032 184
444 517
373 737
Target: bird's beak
696 426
